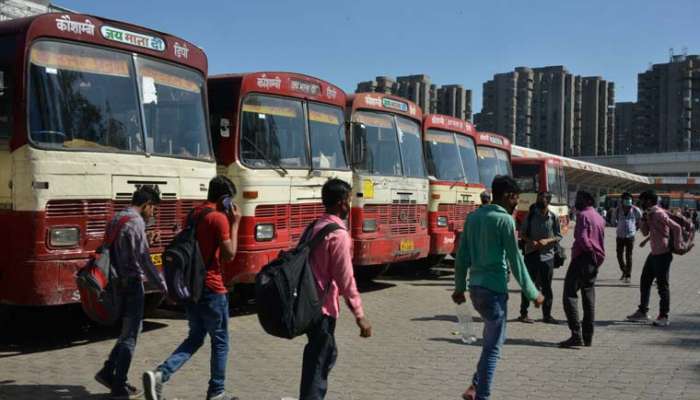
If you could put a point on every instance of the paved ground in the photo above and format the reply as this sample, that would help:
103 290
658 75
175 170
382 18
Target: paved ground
414 354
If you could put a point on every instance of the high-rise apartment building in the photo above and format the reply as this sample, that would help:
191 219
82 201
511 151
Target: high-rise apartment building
624 126
451 100
11 9
668 101
597 116
507 105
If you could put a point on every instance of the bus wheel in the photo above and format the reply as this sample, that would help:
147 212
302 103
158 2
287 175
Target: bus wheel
433 261
151 303
369 272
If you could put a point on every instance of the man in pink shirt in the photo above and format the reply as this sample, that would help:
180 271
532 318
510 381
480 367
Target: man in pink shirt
659 227
331 262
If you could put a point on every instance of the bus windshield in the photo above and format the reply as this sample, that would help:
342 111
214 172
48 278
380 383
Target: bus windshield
375 142
554 184
450 161
87 98
327 137
411 148
527 176
273 133
492 162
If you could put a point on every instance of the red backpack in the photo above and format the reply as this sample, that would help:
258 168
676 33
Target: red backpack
98 281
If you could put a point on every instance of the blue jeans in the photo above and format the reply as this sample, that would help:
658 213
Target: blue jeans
209 315
119 359
492 307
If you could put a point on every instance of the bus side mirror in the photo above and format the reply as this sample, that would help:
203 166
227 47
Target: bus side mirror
225 127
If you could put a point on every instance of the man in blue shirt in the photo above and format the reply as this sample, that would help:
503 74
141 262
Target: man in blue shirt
627 217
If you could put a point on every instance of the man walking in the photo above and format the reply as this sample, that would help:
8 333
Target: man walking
130 256
541 234
331 262
659 227
217 235
627 217
486 248
587 254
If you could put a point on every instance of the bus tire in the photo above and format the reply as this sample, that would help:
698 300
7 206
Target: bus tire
369 272
151 303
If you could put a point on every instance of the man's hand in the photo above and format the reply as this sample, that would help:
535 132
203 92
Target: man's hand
539 300
365 327
458 297
153 237
234 215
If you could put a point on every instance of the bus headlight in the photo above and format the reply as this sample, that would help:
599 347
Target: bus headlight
369 225
264 232
442 221
64 237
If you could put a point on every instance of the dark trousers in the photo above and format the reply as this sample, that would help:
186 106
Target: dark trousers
319 358
119 359
541 273
656 267
624 255
581 276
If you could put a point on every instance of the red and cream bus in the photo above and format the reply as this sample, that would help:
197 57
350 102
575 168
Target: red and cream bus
390 185
450 155
536 174
494 153
279 136
91 109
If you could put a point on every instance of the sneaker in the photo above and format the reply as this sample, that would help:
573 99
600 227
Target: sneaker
661 321
525 319
222 396
573 341
470 393
627 279
126 392
153 385
638 316
104 378
623 276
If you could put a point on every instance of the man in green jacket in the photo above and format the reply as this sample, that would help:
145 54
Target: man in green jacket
486 248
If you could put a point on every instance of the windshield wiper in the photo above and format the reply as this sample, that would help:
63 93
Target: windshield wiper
264 156
456 182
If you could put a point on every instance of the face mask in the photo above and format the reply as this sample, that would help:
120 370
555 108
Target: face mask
627 202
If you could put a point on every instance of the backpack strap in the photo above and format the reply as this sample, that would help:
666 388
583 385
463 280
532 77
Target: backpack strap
320 235
192 222
115 230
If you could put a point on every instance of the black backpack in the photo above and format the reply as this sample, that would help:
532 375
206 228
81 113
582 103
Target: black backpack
183 265
285 289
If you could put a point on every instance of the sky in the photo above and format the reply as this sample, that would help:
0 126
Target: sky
464 42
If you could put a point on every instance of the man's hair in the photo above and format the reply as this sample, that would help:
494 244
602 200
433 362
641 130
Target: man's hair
220 186
626 195
649 195
485 195
145 194
333 191
587 196
503 184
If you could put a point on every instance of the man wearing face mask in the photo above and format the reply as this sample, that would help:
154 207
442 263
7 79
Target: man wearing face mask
587 255
486 248
627 218
541 233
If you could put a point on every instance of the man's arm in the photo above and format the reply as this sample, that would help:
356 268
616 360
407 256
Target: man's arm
139 243
515 258
340 249
462 261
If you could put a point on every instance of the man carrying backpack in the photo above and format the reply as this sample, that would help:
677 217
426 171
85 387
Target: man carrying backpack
658 225
217 234
627 218
331 262
130 256
541 234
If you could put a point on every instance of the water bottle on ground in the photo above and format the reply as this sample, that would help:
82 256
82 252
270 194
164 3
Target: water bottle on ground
466 324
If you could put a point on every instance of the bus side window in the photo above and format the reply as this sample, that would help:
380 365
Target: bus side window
5 105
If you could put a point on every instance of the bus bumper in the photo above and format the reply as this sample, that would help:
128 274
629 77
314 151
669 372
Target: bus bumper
246 265
390 250
443 243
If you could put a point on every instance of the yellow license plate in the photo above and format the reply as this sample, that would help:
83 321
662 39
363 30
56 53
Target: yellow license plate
406 245
157 260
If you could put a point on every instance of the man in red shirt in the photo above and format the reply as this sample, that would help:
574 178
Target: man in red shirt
217 235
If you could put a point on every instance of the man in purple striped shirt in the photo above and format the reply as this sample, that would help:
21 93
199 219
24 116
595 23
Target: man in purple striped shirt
587 255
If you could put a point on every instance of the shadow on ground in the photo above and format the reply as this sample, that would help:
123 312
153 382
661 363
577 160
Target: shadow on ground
8 390
29 330
509 342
